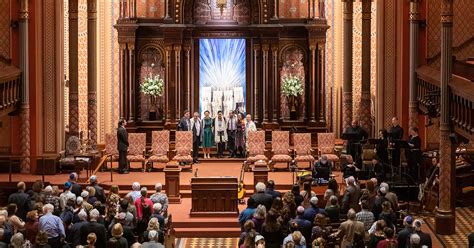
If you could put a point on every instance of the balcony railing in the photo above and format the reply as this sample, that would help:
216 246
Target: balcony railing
10 81
461 98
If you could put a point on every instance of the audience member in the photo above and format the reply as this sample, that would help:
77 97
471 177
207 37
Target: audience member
271 231
31 226
91 240
117 240
307 194
248 212
351 196
260 242
365 216
333 211
261 197
259 217
296 238
74 235
249 226
76 188
425 239
17 223
67 194
52 225
153 241
310 213
21 200
389 241
296 193
99 191
135 193
351 230
377 235
391 197
93 227
160 197
404 235
271 189
304 226
113 202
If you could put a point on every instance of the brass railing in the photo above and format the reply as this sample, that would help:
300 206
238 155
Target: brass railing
461 98
10 81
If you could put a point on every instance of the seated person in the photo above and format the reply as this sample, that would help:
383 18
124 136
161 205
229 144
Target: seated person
349 168
322 169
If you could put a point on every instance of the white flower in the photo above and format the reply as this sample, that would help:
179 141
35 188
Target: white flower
291 86
152 86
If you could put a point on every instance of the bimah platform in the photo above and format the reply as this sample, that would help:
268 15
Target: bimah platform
214 197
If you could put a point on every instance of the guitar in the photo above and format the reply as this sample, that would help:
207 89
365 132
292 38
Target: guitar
241 186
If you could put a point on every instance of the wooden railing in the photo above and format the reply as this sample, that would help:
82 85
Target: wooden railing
10 81
461 98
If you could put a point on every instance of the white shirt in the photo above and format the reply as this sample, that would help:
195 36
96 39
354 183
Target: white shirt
198 126
232 124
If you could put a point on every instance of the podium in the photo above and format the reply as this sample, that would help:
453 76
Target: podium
214 197
172 171
260 172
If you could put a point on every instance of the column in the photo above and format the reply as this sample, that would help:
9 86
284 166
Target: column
348 6
256 50
445 215
177 81
187 71
276 90
92 68
168 50
321 82
365 116
123 81
131 81
312 83
414 32
25 95
265 48
275 10
167 6
73 68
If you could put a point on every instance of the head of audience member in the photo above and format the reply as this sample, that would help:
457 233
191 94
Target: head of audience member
375 181
91 191
332 185
260 187
250 239
314 201
320 220
351 214
369 185
21 186
327 194
350 181
32 216
251 203
289 198
67 186
158 187
417 225
299 211
319 242
323 160
386 207
186 114
382 191
153 236
277 204
408 221
41 238
270 185
79 201
73 177
11 209
307 188
82 215
117 231
249 225
364 205
395 121
355 123
136 186
295 189
196 116
85 195
383 133
389 233
94 215
259 241
297 236
91 239
333 200
124 205
260 212
380 225
415 240
93 180
144 192
37 186
153 224
17 240
157 207
248 118
385 185
207 113
48 190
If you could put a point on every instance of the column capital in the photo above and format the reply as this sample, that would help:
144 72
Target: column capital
265 47
274 47
177 48
414 10
447 12
24 12
256 47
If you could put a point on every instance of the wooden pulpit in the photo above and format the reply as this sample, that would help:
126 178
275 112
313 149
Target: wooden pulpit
260 172
172 171
214 197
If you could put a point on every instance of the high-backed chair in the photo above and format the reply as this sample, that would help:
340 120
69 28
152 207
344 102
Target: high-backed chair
303 150
184 147
326 146
66 157
136 148
111 148
256 146
367 156
160 145
281 148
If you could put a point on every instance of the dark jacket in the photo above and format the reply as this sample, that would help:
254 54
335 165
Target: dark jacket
98 229
99 193
264 199
351 199
22 203
273 193
404 237
183 124
122 139
311 212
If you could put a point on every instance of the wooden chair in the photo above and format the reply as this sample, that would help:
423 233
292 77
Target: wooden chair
136 148
256 147
66 157
160 146
184 148
303 150
110 148
326 146
367 156
281 148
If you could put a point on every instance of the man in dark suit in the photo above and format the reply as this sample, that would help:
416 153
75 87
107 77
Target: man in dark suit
351 196
184 123
261 197
271 190
304 226
94 227
21 200
122 146
395 133
414 153
196 128
354 147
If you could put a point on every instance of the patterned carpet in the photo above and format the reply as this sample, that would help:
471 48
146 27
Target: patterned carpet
207 242
464 226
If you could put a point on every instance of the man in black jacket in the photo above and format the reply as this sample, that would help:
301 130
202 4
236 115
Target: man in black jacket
261 197
184 123
122 146
99 191
404 235
21 200
271 190
93 227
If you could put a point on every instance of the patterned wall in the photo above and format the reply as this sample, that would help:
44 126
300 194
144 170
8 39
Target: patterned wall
66 59
463 28
293 9
82 7
389 64
5 28
150 8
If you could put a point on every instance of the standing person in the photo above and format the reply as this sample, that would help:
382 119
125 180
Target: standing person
20 198
207 134
396 133
354 147
220 133
249 126
122 143
414 154
231 132
381 147
240 136
196 129
184 122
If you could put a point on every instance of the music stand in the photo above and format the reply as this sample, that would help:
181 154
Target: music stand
352 137
399 144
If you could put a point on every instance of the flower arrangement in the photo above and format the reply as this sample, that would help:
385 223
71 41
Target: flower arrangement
291 86
153 86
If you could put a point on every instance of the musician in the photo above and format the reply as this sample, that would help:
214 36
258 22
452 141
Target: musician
381 152
433 172
349 168
220 135
396 133
321 169
414 153
354 147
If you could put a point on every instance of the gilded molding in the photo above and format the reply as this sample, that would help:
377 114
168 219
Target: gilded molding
24 12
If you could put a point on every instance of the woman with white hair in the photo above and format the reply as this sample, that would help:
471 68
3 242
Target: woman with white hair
154 225
259 217
135 194
160 197
18 241
153 242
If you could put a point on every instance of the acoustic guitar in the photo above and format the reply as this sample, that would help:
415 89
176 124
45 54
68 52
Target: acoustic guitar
241 186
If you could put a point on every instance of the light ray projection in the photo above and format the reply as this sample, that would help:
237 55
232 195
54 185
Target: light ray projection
221 75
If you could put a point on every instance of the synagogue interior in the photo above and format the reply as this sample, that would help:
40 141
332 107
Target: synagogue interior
236 123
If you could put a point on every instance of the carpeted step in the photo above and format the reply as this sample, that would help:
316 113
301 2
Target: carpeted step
210 232
198 222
